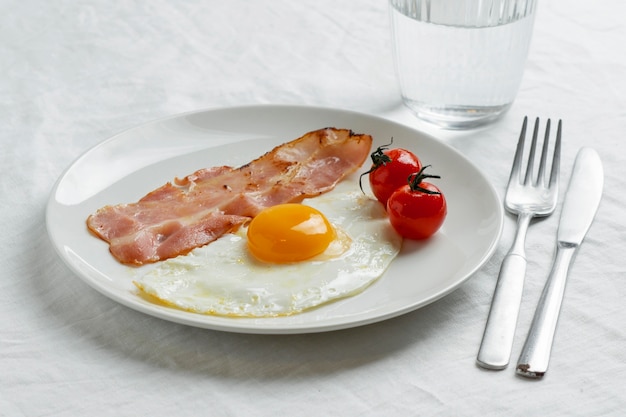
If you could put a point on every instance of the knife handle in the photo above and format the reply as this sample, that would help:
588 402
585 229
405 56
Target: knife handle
495 348
535 356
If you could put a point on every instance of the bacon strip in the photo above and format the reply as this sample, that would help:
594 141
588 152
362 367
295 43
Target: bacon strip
195 210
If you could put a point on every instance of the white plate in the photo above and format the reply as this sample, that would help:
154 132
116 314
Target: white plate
127 166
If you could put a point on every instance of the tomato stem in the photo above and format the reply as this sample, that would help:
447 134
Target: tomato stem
378 158
416 178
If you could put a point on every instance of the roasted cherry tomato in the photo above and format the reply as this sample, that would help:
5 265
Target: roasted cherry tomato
390 169
417 210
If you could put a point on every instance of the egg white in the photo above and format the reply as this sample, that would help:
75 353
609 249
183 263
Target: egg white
222 278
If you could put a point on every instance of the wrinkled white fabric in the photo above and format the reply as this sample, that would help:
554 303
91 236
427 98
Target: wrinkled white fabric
73 73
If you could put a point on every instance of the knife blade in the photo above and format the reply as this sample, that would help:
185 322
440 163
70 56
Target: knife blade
579 209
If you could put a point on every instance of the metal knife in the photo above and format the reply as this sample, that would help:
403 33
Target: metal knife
579 208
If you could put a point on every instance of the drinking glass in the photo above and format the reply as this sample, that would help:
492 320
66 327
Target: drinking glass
460 63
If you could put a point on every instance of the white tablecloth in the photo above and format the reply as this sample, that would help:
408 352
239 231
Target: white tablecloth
73 73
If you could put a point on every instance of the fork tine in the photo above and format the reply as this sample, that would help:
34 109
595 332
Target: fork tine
531 155
556 158
544 156
517 159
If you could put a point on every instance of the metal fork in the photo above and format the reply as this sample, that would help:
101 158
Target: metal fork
528 198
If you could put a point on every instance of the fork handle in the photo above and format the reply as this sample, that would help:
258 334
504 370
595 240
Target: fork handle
495 348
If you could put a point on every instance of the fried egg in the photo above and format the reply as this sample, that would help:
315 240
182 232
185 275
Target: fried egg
289 259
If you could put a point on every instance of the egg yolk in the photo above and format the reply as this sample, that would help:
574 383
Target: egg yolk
289 233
